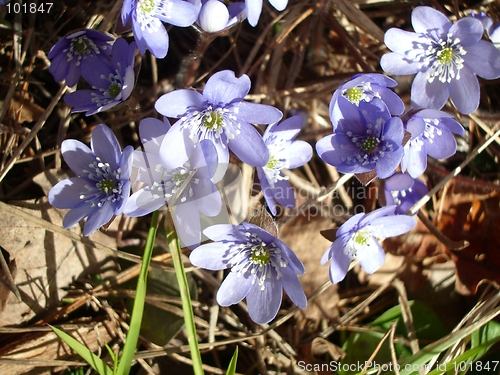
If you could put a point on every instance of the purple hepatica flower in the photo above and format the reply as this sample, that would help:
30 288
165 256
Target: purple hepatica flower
102 186
146 17
76 50
187 189
404 191
492 30
220 115
215 16
366 138
431 135
284 153
112 82
261 266
484 19
356 240
365 87
445 57
254 8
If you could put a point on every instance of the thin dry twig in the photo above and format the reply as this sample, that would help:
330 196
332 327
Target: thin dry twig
406 313
394 358
10 279
452 245
379 346
39 124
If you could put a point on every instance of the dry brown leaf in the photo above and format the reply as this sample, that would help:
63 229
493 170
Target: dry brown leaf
45 347
367 177
264 220
7 278
302 235
25 109
465 216
476 219
47 262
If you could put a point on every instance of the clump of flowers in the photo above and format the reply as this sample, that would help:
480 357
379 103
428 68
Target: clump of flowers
357 240
446 57
284 153
367 138
179 166
220 115
145 17
112 81
431 134
102 187
261 267
77 50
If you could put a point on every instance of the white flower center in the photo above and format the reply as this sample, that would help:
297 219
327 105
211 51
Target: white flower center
107 187
146 6
361 92
212 124
262 260
275 163
81 48
444 59
359 242
112 93
371 146
273 169
145 15
174 184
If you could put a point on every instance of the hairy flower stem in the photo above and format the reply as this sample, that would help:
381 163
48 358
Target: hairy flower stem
175 250
190 64
140 298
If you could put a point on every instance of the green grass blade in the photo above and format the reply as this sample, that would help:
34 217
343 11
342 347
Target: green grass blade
114 356
427 353
140 298
467 357
231 369
97 363
175 250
